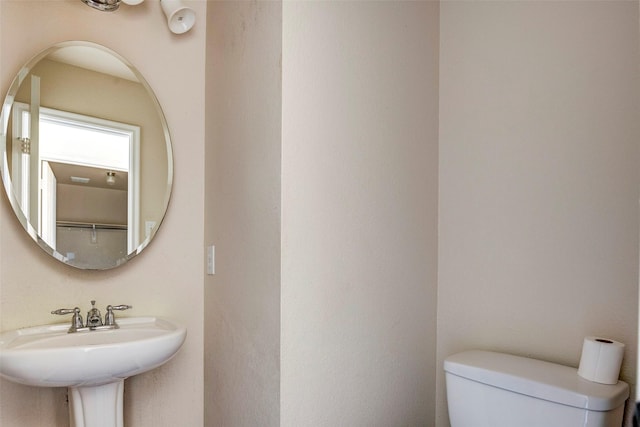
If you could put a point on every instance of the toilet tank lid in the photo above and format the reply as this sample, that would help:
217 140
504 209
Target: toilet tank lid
536 378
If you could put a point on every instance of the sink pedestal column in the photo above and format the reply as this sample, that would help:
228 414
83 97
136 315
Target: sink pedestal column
97 406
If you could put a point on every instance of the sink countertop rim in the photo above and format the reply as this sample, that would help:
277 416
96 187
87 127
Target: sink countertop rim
15 339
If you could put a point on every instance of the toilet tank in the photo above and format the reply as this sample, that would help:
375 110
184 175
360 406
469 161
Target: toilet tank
489 389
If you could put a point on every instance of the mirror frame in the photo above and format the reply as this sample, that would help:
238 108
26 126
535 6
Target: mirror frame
5 173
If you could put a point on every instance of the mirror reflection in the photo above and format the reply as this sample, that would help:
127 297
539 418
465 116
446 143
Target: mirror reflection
87 160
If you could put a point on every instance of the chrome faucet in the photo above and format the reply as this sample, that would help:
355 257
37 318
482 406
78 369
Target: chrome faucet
94 318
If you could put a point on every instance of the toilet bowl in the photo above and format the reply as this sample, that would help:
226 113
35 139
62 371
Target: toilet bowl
489 389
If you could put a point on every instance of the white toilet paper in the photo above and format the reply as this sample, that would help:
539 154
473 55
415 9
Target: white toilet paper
601 360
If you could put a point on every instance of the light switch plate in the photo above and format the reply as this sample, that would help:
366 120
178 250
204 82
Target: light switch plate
211 258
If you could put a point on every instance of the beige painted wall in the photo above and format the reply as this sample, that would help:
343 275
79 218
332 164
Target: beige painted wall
538 201
359 204
242 324
76 203
539 174
166 279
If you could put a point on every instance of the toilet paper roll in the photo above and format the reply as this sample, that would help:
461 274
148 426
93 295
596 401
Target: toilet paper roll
601 360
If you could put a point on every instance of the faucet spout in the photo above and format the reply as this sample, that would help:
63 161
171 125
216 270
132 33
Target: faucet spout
94 318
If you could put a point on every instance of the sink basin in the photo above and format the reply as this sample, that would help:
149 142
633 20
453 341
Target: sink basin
92 364
48 356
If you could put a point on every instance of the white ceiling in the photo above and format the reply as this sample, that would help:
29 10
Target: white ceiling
97 176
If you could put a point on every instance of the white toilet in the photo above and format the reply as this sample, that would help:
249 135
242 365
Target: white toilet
488 389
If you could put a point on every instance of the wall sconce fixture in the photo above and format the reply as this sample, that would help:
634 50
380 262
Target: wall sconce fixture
180 18
111 178
103 5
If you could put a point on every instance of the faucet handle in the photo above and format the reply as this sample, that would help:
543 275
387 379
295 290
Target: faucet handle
63 311
76 320
110 318
119 307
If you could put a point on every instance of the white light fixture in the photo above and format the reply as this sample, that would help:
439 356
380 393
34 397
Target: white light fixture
180 18
79 179
111 178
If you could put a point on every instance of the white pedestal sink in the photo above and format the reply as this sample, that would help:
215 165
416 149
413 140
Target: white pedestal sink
92 364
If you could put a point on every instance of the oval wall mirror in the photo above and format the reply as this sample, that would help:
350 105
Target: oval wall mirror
87 163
